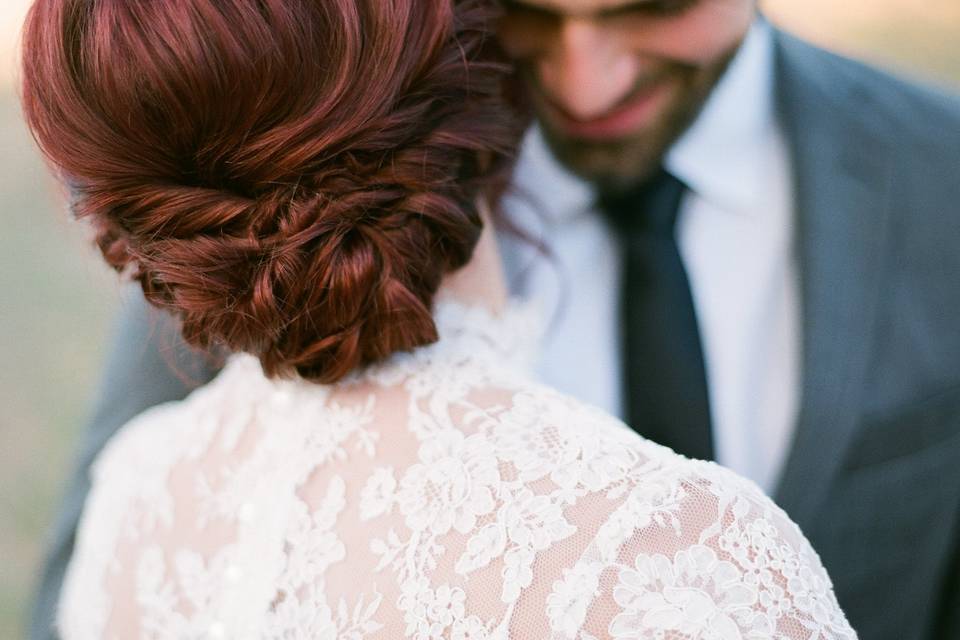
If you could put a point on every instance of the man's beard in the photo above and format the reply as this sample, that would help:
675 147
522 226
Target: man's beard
618 164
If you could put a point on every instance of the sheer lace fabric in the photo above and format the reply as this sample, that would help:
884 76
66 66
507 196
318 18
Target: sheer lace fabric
442 494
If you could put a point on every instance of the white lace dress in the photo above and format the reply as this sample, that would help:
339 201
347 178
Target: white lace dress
442 494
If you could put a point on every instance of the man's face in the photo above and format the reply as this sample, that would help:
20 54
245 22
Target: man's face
615 82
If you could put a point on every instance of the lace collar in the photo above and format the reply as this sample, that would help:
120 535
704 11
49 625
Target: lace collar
467 334
510 335
470 337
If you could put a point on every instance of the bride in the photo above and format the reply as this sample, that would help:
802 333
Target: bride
302 183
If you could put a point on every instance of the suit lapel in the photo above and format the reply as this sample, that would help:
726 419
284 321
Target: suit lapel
842 175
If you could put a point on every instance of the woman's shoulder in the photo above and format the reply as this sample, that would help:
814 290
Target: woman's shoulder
163 434
179 496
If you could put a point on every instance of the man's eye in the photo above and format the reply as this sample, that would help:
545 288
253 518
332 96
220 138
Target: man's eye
649 8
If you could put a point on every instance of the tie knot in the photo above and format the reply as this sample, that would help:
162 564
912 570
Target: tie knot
650 207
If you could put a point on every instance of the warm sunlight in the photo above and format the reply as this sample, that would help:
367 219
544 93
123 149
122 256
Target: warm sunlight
11 16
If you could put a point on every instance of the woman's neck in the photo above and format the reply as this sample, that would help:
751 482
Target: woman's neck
481 282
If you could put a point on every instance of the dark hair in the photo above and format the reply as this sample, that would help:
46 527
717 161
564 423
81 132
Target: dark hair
292 178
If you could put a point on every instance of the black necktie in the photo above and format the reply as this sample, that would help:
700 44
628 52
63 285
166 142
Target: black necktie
665 381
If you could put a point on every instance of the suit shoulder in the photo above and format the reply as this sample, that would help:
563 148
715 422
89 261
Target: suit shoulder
912 109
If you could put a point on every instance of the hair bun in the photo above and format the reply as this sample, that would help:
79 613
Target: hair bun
256 184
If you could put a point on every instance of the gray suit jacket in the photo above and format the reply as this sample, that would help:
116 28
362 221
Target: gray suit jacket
873 477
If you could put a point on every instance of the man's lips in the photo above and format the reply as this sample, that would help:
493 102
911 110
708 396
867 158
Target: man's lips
621 120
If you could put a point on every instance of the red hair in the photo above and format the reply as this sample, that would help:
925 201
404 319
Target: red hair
292 178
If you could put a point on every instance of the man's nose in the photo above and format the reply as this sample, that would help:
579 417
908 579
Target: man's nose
585 71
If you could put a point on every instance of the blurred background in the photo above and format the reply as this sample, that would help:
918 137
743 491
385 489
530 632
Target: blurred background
57 300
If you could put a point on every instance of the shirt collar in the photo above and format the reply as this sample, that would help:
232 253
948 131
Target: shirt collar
723 155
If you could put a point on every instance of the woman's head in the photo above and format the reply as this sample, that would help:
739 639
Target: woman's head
292 178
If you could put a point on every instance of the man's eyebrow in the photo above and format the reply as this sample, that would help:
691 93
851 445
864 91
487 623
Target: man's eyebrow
636 6
519 5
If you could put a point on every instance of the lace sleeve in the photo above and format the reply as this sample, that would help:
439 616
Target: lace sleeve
695 552
155 549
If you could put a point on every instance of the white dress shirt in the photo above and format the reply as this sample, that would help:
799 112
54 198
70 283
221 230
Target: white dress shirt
735 232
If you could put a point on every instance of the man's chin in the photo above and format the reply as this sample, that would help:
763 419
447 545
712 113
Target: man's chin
610 164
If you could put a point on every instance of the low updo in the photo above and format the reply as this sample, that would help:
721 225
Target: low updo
291 178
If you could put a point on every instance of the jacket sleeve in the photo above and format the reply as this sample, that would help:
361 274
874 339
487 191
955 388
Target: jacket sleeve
148 364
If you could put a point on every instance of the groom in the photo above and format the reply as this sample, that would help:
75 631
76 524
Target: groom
783 228
755 258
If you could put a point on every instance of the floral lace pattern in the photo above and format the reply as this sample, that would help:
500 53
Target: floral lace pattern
441 494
